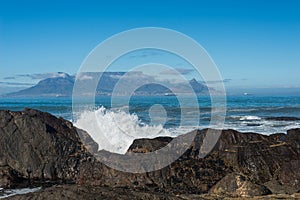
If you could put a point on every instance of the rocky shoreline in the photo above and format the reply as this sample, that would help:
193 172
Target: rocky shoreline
38 149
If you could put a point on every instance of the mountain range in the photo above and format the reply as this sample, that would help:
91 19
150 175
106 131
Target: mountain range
62 85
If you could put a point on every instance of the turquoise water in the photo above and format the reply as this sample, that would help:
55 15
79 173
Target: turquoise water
244 113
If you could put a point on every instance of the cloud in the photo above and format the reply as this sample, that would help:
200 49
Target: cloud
144 54
84 77
115 76
16 83
139 75
182 71
44 75
227 80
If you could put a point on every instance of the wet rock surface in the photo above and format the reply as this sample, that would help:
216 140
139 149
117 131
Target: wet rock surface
37 147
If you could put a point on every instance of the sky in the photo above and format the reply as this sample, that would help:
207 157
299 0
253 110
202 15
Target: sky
255 44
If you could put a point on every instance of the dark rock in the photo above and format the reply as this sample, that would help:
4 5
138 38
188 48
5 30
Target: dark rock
87 140
238 185
6 177
38 146
42 147
253 124
283 118
149 145
66 192
258 157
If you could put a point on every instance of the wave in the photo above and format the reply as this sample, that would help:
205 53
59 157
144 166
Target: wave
249 118
115 131
244 118
271 109
242 109
260 125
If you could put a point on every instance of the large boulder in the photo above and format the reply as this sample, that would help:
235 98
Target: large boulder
38 146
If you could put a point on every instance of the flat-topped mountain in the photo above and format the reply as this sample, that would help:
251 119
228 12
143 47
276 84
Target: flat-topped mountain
62 85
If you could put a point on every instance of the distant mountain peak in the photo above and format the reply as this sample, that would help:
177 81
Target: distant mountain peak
61 84
193 80
63 74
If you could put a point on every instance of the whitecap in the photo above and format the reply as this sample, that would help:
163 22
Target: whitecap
250 117
115 130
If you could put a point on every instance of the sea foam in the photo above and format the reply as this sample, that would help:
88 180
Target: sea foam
115 130
12 192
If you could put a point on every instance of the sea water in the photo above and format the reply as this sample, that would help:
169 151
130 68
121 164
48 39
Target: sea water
4 193
122 122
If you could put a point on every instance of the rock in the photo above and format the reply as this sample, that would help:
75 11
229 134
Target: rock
283 118
66 192
238 185
259 158
38 147
149 145
6 177
263 158
87 140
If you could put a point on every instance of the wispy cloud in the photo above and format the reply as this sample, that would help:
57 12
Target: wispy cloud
84 77
227 80
144 54
182 71
43 75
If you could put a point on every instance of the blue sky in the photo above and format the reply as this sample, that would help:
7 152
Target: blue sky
255 44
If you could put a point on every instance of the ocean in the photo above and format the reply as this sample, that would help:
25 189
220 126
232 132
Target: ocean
145 116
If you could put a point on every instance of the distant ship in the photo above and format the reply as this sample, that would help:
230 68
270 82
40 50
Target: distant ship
170 94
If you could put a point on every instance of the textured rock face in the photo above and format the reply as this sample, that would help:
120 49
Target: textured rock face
268 163
67 192
44 147
39 146
255 164
237 185
264 159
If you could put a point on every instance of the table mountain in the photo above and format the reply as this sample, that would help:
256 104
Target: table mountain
62 85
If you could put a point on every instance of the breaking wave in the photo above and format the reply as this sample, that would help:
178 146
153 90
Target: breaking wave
115 130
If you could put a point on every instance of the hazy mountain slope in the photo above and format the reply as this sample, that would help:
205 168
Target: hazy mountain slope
62 85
